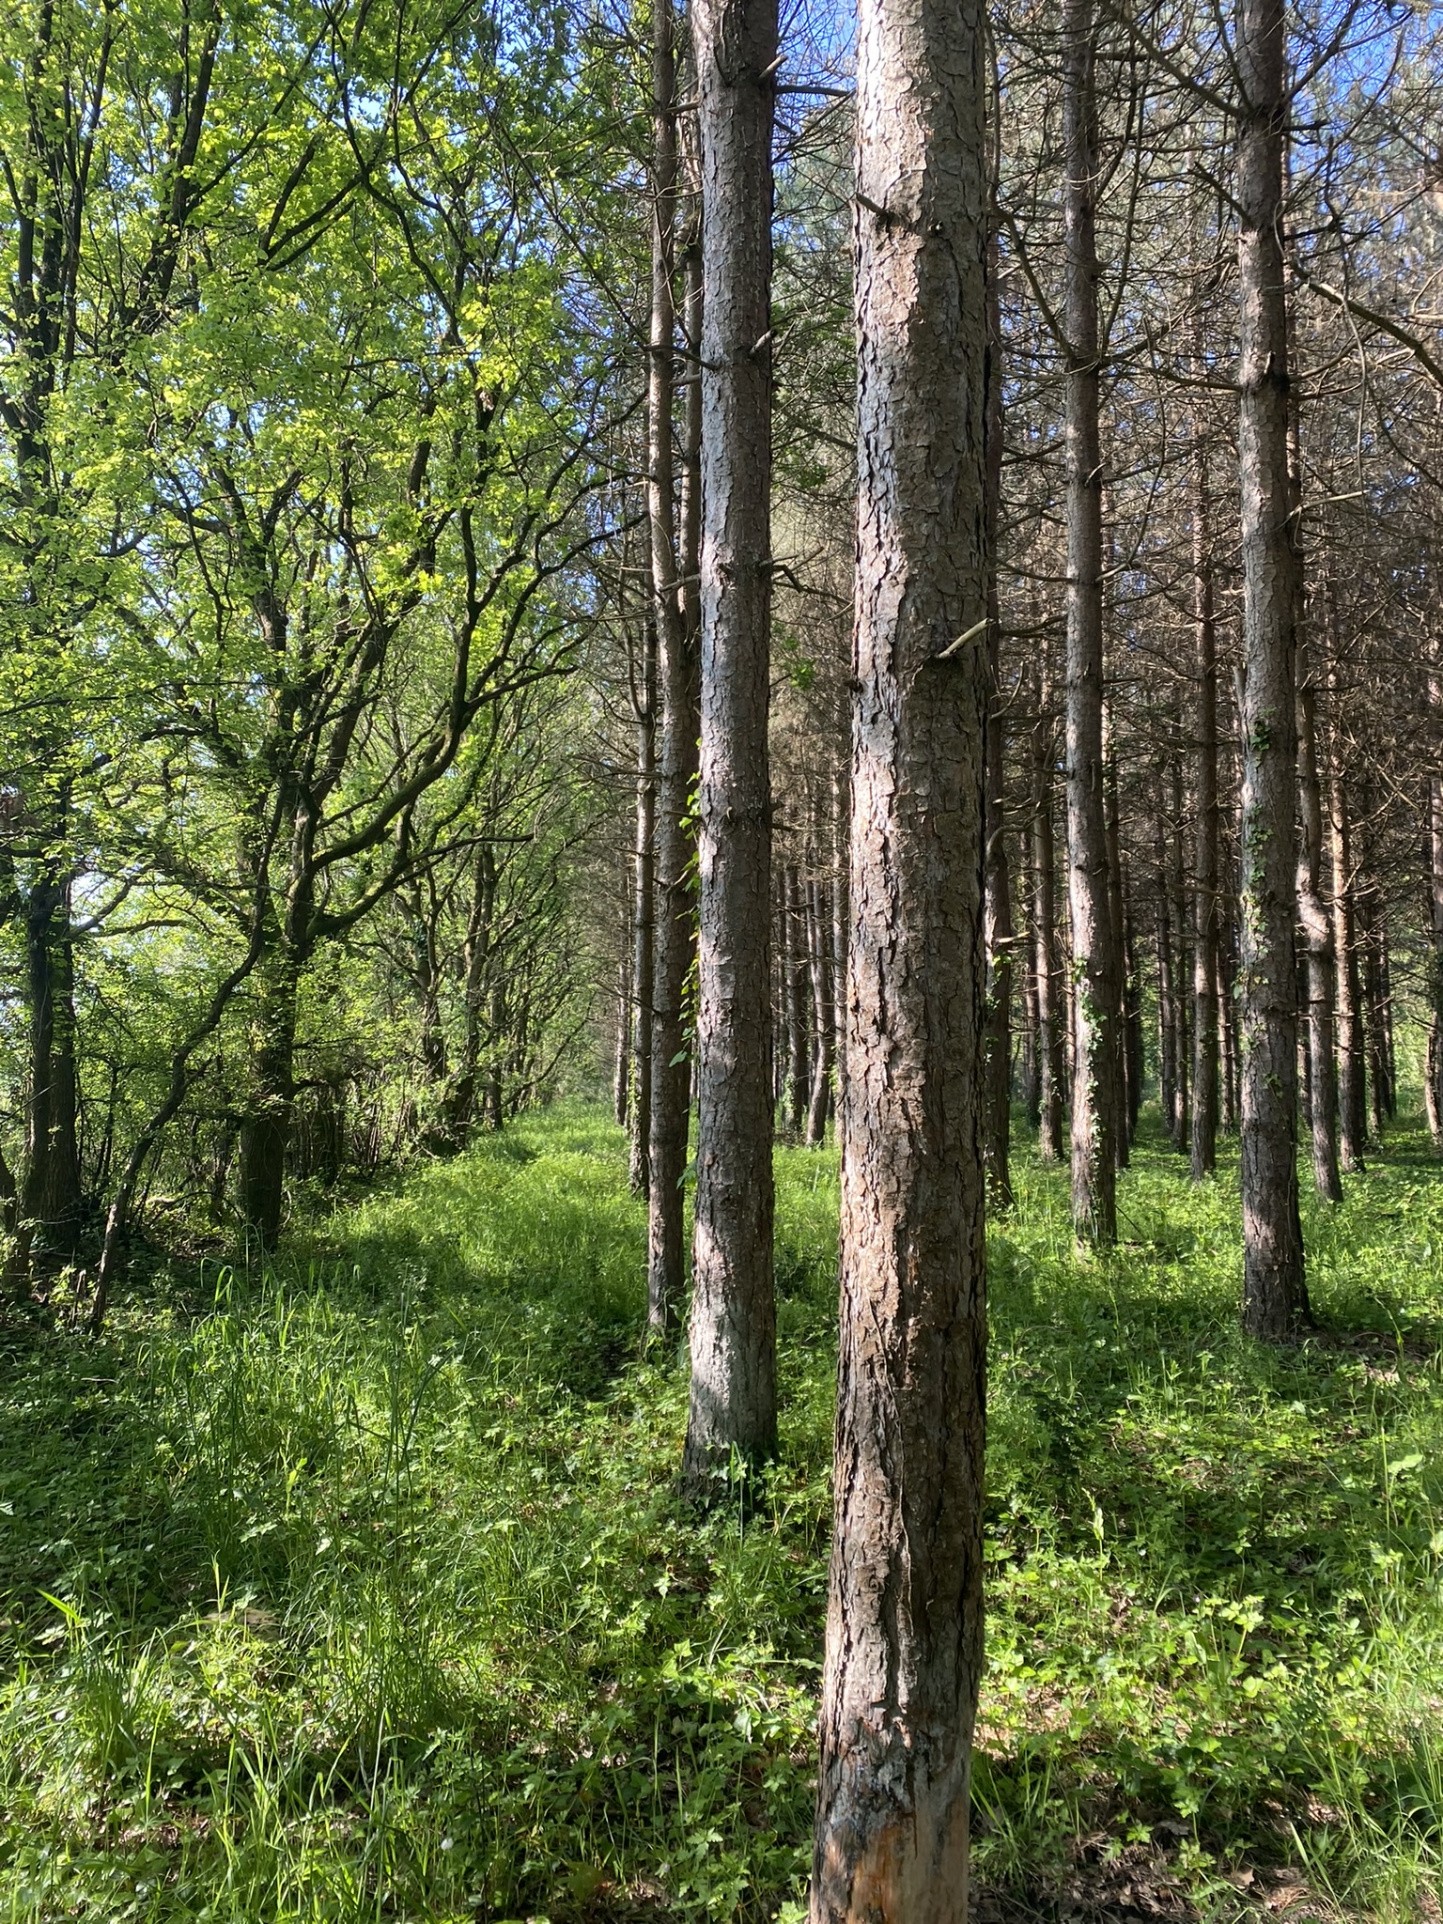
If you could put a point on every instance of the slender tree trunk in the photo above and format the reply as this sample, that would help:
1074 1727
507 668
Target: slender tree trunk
497 1018
797 1072
1275 1299
621 1063
1031 1063
904 1644
50 1200
1352 1083
733 1409
1177 890
1096 994
1051 1040
1124 1113
1131 1009
643 918
997 879
819 933
1433 1073
1206 907
1228 1007
1375 996
676 687
1317 928
839 934
1167 981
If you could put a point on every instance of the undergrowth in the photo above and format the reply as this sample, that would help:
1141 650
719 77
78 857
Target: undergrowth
356 1589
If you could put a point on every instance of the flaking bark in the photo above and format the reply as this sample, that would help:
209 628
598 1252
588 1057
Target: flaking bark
904 1616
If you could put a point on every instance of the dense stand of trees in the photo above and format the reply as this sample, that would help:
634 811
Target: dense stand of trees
476 619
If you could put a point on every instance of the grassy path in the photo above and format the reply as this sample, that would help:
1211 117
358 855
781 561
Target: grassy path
357 1590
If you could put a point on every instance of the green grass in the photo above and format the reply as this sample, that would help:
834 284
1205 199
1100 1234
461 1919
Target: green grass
357 1590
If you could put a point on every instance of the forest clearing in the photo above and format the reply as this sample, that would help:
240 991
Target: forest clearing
721 961
358 1586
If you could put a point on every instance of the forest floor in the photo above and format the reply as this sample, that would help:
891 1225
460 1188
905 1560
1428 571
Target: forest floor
358 1590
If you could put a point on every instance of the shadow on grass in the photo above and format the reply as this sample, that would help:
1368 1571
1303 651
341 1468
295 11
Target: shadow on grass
376 1555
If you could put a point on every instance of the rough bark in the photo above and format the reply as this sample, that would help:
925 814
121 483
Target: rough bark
1124 1108
997 879
1317 933
1095 974
819 943
904 1618
1275 1297
1206 1066
798 1077
676 693
733 1413
1433 1069
1051 1040
621 1060
1177 893
1352 1080
643 914
1167 981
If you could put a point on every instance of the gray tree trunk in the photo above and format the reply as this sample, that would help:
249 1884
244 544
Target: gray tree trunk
904 1644
1096 999
1433 1070
1047 972
643 965
1317 928
997 879
733 1409
1206 1091
798 1078
819 943
676 695
1275 1299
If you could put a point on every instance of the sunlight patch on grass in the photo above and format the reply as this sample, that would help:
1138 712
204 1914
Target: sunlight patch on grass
358 1588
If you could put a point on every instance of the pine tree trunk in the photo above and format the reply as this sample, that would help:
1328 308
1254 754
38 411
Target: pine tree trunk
1433 1071
1031 1064
1206 1092
819 934
1051 1012
1167 974
997 880
904 1644
621 1060
1275 1300
1228 1018
733 1410
798 1076
1352 1081
1317 927
670 1115
643 918
1177 890
839 936
1096 993
1125 1099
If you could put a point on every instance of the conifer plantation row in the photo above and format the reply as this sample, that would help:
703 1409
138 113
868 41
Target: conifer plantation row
681 688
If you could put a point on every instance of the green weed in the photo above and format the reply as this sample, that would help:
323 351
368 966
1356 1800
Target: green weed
357 1589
